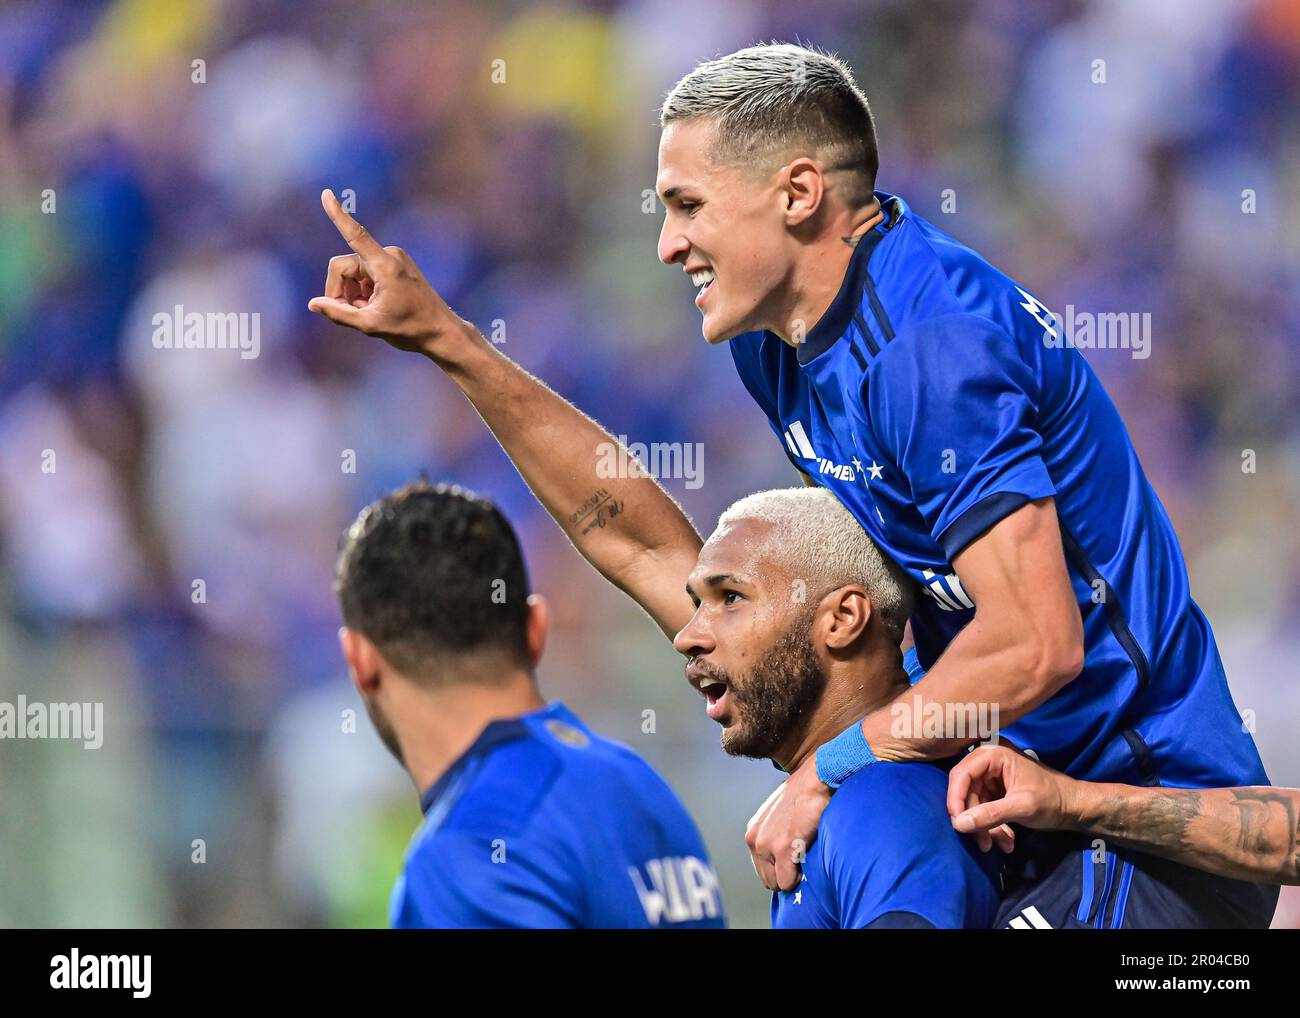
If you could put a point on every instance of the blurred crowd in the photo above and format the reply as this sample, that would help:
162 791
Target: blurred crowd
169 518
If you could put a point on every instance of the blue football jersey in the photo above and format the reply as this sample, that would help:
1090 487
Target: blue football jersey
544 824
935 397
886 855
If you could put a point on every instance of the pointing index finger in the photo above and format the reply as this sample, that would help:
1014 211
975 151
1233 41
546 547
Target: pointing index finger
358 237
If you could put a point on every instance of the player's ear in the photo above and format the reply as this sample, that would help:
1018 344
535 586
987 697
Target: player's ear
846 613
803 188
536 626
362 659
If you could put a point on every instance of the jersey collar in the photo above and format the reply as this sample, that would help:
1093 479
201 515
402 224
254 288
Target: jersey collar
832 325
447 788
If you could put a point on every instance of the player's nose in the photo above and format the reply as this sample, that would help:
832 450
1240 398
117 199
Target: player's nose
672 243
694 638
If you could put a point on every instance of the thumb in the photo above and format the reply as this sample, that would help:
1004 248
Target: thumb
982 817
336 311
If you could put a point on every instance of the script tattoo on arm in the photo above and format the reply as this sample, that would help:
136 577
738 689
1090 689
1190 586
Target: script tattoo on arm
596 511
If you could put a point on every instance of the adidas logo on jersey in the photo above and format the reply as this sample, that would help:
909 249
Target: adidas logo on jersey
1029 919
796 439
946 591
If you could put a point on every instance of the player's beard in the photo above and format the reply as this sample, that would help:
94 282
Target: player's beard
775 697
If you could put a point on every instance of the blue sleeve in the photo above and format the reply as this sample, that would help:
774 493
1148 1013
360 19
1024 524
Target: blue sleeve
458 880
912 665
890 848
954 404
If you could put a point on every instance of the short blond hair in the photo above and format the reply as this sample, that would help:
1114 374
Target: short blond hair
776 97
816 538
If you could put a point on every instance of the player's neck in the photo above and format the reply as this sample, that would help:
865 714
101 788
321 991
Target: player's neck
820 272
854 689
435 727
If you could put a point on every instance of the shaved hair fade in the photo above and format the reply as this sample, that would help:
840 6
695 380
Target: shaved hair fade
419 573
816 538
778 100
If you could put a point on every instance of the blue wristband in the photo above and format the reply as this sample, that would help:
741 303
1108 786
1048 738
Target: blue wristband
842 757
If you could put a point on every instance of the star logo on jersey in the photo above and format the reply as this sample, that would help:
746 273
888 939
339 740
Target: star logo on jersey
796 439
871 473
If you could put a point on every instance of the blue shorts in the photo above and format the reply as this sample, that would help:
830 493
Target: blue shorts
1071 881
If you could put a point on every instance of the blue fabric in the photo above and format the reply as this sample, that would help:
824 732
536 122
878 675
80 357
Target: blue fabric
1062 880
912 665
543 824
933 400
899 921
885 845
843 756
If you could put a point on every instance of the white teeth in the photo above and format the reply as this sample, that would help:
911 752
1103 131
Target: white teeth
703 277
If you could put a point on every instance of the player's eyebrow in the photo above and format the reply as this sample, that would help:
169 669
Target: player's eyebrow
669 193
717 580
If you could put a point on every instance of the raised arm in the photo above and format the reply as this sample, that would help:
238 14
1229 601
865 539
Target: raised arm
1244 833
629 528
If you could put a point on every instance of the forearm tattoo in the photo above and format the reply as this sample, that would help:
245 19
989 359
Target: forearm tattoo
1161 821
595 512
1258 839
1269 833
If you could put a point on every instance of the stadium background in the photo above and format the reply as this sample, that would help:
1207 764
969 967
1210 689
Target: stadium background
523 201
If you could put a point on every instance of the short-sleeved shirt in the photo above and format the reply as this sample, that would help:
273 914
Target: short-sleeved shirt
886 856
935 397
542 823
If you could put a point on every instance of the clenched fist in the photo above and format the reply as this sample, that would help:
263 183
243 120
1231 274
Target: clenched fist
785 825
380 291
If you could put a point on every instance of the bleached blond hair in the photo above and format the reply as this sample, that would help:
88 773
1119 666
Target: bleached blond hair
771 99
815 538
